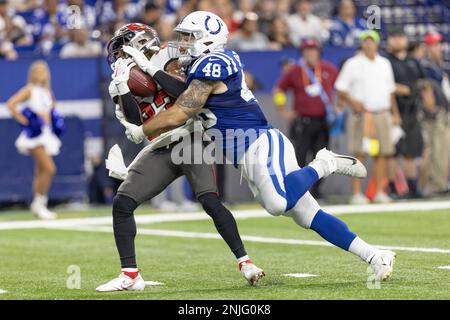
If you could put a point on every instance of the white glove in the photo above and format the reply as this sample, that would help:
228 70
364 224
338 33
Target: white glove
121 74
113 92
133 132
119 114
141 60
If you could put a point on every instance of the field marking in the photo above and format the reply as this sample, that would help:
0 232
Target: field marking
205 235
153 283
444 267
300 275
3 291
404 207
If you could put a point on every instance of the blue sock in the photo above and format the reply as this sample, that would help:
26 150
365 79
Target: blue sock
332 229
297 183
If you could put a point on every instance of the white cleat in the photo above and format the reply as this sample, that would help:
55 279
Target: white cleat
382 264
342 164
251 272
123 283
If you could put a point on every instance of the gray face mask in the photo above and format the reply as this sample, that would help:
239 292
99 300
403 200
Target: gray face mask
183 47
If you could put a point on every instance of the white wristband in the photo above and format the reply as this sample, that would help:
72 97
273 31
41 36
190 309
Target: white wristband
122 88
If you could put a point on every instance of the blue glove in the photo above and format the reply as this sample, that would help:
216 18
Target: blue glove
35 123
58 126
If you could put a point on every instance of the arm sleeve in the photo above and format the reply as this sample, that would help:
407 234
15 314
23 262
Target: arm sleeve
173 86
131 109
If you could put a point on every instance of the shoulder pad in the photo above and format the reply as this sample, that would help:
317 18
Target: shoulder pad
214 66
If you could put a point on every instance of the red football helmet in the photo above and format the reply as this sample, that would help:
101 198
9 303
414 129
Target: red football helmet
136 35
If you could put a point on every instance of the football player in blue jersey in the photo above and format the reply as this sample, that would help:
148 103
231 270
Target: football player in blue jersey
216 91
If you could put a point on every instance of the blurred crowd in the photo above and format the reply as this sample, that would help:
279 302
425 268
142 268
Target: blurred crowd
79 28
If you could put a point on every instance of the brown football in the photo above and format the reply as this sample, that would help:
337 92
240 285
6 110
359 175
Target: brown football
141 83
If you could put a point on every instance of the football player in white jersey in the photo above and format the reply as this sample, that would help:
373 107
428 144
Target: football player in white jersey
33 107
216 90
153 169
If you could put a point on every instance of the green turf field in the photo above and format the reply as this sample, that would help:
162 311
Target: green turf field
34 261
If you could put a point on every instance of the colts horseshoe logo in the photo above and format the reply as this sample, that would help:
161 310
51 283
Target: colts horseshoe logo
219 26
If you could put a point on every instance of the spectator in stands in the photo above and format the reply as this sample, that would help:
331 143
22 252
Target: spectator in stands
224 9
346 26
283 8
366 84
248 37
80 45
311 82
6 46
49 26
407 71
13 27
38 137
114 14
303 24
266 10
152 14
279 34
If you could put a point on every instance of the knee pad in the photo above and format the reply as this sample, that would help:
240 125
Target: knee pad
123 205
304 211
274 206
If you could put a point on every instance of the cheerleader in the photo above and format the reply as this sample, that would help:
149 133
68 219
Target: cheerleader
33 107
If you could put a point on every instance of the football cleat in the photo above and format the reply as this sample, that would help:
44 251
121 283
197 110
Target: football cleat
123 283
382 264
341 164
251 272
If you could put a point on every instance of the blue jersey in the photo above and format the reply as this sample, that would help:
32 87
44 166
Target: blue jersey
234 111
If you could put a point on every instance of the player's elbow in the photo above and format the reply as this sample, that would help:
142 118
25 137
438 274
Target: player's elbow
10 105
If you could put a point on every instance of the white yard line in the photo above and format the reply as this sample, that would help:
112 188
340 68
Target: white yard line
153 283
103 224
300 275
3 291
444 267
204 235
238 214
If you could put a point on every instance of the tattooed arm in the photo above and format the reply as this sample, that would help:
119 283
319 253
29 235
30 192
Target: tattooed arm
187 105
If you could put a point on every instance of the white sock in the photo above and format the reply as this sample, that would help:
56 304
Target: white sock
40 200
362 249
320 167
130 270
242 259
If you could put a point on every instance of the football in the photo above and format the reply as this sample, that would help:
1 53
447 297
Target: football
141 83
